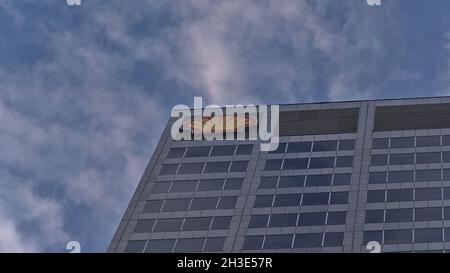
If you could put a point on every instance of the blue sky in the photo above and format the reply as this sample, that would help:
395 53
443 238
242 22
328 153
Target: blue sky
85 91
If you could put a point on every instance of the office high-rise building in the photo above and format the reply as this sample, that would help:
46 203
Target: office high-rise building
344 174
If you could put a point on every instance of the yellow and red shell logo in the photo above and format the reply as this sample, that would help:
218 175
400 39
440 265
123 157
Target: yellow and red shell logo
223 124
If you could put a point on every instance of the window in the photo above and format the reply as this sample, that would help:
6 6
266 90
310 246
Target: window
321 162
446 174
227 202
400 195
214 244
377 177
268 182
376 196
401 159
336 218
283 220
176 152
278 241
428 141
375 216
318 180
168 169
339 198
376 235
428 175
426 158
280 150
204 203
273 164
378 160
233 184
295 164
446 157
311 199
153 206
162 245
210 185
333 239
446 213
253 242
238 166
401 176
291 181
161 187
428 214
312 219
323 146
135 246
189 245
299 147
221 222
428 235
144 226
217 167
197 151
380 143
184 186
425 194
166 225
223 150
346 145
197 223
446 193
245 149
176 204
402 236
399 215
190 168
445 140
402 142
308 240
344 161
258 221
263 201
287 200
342 179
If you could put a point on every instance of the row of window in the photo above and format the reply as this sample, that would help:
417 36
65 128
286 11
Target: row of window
198 185
407 236
176 245
306 240
308 163
316 146
409 176
185 204
410 158
408 142
298 219
306 199
401 195
205 151
295 181
208 167
408 215
183 224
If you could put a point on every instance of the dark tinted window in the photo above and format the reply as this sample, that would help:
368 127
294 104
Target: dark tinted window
143 226
401 176
447 213
375 196
283 220
221 222
342 179
402 236
299 147
425 158
428 235
176 204
190 168
233 184
399 195
210 185
401 159
197 151
308 240
378 160
428 141
176 152
263 201
273 164
280 150
399 215
446 193
245 149
402 142
153 205
445 140
321 162
238 166
428 194
278 241
446 174
291 181
258 221
183 186
376 235
168 169
446 157
253 242
336 218
318 180
223 150
344 161
197 223
339 198
333 239
375 216
165 225
227 202
204 203
428 214
135 246
428 175
312 219
380 143
161 187
217 167
377 177
163 245
311 199
295 164
214 244
189 245
286 200
346 145
269 182
321 146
